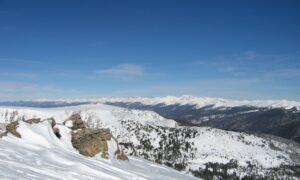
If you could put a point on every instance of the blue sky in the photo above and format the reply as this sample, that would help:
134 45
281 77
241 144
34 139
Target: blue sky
231 49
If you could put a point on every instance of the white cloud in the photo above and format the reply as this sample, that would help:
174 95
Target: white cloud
200 62
122 71
13 90
250 55
286 73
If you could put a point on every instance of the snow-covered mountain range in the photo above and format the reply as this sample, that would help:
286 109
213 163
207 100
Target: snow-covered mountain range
200 102
202 151
197 102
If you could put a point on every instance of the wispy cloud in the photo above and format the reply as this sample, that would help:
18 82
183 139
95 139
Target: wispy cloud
286 73
14 90
200 62
230 69
228 63
14 60
250 54
252 64
15 87
123 71
27 75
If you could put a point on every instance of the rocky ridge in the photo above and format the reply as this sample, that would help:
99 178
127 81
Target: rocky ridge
88 142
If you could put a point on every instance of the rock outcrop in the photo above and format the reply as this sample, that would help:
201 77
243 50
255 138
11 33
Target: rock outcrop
12 128
90 142
33 120
120 155
74 122
52 122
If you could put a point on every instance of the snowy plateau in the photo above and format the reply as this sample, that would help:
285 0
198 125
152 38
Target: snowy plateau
158 148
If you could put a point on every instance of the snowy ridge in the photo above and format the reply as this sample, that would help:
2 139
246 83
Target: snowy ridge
39 154
95 115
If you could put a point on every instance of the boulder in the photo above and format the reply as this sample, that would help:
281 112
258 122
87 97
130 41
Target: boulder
74 122
3 134
90 142
12 128
120 155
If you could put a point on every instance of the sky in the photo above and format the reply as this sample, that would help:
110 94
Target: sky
236 49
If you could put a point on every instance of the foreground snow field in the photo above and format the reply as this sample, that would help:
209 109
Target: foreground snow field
39 154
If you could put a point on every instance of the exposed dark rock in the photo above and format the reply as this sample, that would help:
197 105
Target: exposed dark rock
33 120
91 142
56 132
52 122
120 155
12 128
3 134
76 122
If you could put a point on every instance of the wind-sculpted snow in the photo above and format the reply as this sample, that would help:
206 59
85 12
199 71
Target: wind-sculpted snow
204 152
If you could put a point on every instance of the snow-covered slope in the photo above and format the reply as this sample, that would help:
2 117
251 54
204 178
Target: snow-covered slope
277 117
39 154
199 150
